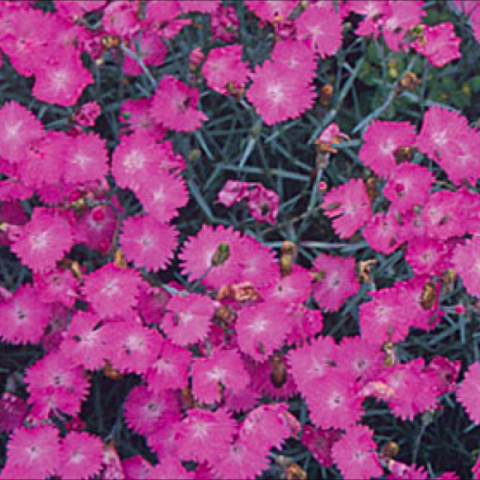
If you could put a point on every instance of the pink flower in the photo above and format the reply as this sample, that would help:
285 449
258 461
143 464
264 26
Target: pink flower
131 347
375 12
174 105
223 367
240 460
205 436
34 451
204 6
170 467
120 18
152 50
83 343
57 286
382 142
409 185
322 29
312 362
62 79
320 443
162 194
24 316
224 66
148 243
262 328
336 281
111 290
214 255
145 411
439 44
428 256
13 411
136 468
43 241
88 114
270 10
188 319
349 206
135 159
355 454
135 115
170 369
81 456
296 57
277 94
86 159
18 130
382 232
467 392
224 24
466 260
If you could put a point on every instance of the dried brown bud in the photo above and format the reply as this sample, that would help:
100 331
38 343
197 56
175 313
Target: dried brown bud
288 254
403 154
410 81
110 372
295 472
326 93
119 259
225 314
110 41
372 190
390 450
429 296
279 373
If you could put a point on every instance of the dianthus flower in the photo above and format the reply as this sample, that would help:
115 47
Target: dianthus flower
111 290
120 19
277 94
135 116
34 452
175 106
213 255
224 69
162 194
86 159
270 10
148 243
136 468
349 206
24 316
439 44
84 343
62 79
322 30
57 286
81 456
204 436
145 410
88 114
13 411
170 369
428 256
335 282
467 392
130 346
223 367
188 319
296 57
262 328
382 143
18 129
375 12
409 185
355 454
43 241
320 442
55 385
152 50
168 468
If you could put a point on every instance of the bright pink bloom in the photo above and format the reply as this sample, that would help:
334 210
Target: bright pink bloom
336 281
57 286
322 29
467 392
262 328
428 256
135 116
175 106
162 194
203 6
111 290
18 130
382 233
214 255
148 243
439 44
355 454
277 94
349 206
120 18
170 369
145 411
43 241
409 185
188 319
81 456
13 411
84 344
170 467
269 10
34 451
136 468
375 12
62 79
224 24
152 50
23 316
205 436
88 114
320 443
296 57
382 142
131 347
224 66
223 367
86 159
55 385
